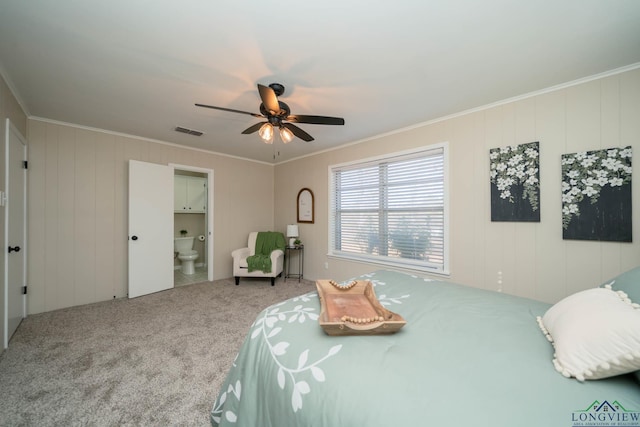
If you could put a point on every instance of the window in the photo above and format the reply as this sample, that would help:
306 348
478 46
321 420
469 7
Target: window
391 210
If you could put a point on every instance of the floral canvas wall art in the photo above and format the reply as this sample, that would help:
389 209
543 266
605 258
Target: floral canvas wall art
515 183
596 195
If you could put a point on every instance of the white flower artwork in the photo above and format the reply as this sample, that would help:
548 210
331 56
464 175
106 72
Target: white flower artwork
515 183
596 195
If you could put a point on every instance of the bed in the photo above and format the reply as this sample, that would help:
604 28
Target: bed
466 357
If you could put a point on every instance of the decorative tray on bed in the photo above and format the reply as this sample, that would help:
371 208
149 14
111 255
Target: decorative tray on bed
354 309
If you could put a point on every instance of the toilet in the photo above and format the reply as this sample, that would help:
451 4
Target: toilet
186 254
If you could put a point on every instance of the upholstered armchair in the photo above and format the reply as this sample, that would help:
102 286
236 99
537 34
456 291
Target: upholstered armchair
241 266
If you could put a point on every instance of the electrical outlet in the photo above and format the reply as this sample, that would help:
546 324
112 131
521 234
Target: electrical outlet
326 265
499 289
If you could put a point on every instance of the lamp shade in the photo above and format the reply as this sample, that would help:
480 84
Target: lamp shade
266 133
292 230
286 135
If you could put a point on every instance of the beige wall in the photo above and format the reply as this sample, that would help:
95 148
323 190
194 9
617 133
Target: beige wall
78 197
78 209
534 260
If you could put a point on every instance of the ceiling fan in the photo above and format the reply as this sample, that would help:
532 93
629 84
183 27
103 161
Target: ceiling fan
279 115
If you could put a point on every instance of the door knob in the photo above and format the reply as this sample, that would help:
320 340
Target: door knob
15 249
134 237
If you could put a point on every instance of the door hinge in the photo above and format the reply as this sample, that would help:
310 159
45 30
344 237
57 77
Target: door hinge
24 290
25 164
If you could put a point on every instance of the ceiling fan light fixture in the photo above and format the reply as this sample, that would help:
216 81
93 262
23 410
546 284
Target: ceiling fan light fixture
276 112
286 135
266 133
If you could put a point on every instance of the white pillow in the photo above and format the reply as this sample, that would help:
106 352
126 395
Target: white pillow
596 334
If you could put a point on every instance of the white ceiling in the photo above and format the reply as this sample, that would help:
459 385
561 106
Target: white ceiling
138 66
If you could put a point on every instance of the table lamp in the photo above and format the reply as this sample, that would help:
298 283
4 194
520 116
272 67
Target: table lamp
292 234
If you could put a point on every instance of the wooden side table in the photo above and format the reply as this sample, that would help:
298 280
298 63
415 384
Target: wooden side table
288 251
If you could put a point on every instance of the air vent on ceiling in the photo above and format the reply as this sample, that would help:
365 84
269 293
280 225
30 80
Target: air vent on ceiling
188 131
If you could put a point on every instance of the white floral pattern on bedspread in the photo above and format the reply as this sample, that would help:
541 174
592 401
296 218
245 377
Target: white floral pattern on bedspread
298 378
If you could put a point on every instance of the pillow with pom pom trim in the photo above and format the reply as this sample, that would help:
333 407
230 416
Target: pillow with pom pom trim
595 333
628 282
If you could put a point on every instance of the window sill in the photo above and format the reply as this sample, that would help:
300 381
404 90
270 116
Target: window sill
394 265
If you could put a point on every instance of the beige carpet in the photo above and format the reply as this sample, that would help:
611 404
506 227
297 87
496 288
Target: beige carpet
154 360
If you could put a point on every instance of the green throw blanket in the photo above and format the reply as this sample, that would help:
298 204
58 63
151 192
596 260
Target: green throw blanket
266 242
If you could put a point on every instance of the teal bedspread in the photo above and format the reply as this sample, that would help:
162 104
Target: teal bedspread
466 357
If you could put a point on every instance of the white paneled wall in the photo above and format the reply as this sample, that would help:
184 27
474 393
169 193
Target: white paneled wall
78 181
533 258
78 198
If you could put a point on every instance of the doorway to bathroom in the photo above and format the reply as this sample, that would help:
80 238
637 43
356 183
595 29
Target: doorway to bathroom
192 225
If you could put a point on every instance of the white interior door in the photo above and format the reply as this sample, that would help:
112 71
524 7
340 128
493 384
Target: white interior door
15 231
150 228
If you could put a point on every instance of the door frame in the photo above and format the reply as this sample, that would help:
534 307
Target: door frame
11 129
209 214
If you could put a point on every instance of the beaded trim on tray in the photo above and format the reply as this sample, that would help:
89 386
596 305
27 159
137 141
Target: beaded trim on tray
342 287
362 320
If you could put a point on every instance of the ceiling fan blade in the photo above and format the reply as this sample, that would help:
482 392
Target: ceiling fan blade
269 99
231 110
315 120
298 132
253 128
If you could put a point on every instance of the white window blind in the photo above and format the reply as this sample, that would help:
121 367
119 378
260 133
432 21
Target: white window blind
391 210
